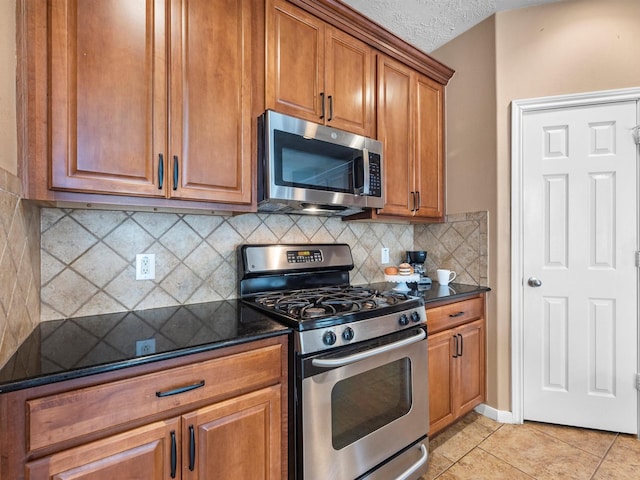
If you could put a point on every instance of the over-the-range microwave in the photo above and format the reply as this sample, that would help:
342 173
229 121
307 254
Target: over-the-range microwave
305 167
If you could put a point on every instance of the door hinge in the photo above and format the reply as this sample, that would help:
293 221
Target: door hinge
637 381
637 259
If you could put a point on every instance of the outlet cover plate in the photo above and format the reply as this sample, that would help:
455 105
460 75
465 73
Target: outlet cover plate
145 266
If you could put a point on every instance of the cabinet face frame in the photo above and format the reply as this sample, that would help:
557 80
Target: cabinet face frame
34 123
411 126
317 72
108 120
457 359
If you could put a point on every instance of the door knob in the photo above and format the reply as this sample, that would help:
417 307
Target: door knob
534 282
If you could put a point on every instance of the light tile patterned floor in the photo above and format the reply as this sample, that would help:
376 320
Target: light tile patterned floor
478 448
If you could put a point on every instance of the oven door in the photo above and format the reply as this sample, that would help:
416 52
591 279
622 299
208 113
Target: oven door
364 405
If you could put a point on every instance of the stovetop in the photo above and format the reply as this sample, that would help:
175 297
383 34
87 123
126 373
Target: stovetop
307 287
311 305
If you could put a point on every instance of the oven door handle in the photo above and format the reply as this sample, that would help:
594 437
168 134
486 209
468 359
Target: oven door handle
356 357
417 465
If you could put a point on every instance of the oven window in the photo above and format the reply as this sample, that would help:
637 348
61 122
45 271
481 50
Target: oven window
365 402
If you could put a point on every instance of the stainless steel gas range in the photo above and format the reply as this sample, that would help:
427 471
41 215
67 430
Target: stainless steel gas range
359 373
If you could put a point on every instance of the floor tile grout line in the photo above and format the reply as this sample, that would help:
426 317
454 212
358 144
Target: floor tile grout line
508 463
571 444
616 436
469 451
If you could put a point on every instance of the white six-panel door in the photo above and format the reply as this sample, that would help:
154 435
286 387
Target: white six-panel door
579 277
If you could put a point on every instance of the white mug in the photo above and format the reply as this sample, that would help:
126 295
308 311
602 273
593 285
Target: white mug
445 276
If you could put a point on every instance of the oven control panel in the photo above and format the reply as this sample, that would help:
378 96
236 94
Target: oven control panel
310 341
304 256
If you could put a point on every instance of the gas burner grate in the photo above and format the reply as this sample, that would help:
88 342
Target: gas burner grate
328 301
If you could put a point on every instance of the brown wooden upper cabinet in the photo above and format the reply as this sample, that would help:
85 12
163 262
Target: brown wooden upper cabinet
317 72
411 127
150 98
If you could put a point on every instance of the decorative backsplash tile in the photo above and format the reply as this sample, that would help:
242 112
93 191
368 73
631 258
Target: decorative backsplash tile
88 256
460 245
19 266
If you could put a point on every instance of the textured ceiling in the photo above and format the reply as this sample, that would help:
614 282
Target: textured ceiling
428 24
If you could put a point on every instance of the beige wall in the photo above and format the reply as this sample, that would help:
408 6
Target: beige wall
8 134
471 156
561 48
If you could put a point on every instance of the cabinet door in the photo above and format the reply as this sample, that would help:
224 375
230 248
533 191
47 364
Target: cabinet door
395 129
212 67
470 382
108 108
295 62
441 374
429 145
145 452
349 83
238 438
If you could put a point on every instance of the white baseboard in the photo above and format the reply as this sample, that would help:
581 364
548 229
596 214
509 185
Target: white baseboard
501 416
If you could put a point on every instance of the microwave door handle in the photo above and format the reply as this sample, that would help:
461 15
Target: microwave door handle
366 184
356 357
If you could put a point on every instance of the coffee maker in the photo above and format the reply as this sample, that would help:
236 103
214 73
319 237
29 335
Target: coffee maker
416 259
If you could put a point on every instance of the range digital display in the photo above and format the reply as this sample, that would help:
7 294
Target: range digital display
304 256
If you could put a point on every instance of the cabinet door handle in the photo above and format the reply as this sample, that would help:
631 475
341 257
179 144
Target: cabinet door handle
455 346
454 315
175 172
178 390
461 343
322 104
417 201
160 171
192 448
330 108
174 454
413 202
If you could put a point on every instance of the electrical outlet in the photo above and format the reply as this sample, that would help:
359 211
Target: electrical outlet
384 255
145 347
145 266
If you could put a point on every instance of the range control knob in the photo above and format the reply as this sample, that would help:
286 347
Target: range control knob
403 320
415 317
329 338
348 334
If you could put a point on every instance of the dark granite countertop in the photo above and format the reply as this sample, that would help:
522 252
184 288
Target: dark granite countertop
60 350
453 291
436 292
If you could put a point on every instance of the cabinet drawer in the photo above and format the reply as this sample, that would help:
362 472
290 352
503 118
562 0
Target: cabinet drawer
454 314
69 415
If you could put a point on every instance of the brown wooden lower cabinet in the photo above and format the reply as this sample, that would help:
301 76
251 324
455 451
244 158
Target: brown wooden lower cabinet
231 439
222 429
456 361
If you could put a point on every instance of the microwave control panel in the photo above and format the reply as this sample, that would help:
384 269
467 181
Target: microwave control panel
375 175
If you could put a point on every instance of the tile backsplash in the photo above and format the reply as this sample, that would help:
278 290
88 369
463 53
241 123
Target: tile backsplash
19 266
88 256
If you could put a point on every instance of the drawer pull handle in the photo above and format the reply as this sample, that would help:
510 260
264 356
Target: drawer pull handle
175 172
160 171
192 448
174 454
454 315
178 390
